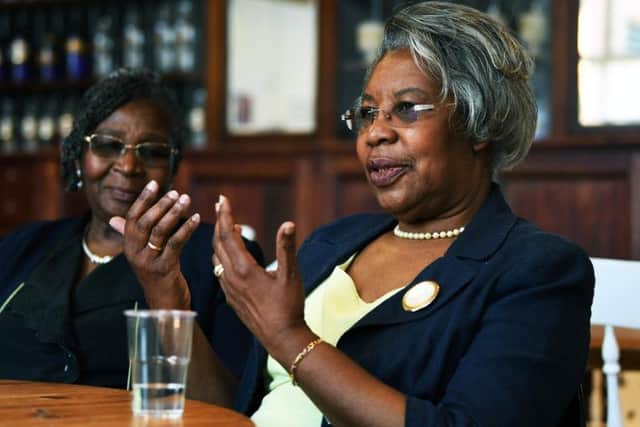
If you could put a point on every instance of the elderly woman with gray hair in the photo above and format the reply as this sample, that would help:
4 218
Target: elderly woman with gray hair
448 310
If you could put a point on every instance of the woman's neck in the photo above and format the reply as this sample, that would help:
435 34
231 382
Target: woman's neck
102 239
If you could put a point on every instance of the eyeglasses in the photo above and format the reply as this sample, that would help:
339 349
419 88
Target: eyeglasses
151 154
402 115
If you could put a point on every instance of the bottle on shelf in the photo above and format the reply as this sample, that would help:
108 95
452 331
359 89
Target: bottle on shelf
47 123
20 48
8 137
29 126
5 37
64 122
133 48
197 119
185 36
104 43
164 39
76 45
48 52
496 12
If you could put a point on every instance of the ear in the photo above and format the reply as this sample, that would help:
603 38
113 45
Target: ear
480 146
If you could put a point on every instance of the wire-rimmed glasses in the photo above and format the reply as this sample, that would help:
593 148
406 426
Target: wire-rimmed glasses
152 154
403 114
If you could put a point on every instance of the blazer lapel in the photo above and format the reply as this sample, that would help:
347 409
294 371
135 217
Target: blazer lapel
44 300
451 274
482 237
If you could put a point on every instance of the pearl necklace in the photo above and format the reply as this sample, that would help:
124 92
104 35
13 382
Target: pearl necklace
446 234
95 259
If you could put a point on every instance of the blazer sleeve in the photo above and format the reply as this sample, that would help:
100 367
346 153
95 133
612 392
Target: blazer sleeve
530 348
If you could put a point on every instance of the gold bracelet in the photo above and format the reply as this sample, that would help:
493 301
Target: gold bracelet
299 357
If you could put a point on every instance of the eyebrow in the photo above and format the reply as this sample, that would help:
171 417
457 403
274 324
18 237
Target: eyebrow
119 134
409 90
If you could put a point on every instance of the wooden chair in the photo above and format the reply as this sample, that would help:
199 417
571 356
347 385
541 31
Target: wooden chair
616 303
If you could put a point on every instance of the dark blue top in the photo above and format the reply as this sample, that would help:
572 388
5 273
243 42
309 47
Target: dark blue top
505 342
58 329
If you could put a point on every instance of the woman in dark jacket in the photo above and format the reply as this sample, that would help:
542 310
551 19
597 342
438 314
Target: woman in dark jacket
65 284
446 311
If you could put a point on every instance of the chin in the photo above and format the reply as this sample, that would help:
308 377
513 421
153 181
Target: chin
117 208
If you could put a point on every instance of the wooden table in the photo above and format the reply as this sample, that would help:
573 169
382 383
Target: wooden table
25 403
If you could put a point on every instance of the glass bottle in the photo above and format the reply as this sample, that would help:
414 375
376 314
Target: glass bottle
5 37
29 126
197 119
76 45
20 49
164 40
65 117
47 124
103 40
133 38
48 54
185 37
7 126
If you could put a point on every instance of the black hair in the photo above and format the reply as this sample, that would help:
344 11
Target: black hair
102 99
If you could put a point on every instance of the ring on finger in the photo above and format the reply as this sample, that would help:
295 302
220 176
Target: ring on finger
154 247
218 269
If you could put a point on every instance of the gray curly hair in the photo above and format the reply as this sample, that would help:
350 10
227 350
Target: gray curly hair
106 96
479 66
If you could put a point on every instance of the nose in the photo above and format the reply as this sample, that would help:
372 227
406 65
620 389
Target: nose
380 130
128 162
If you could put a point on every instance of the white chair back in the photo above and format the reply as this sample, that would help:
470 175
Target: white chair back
616 303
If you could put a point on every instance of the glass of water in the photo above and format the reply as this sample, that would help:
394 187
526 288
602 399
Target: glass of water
159 354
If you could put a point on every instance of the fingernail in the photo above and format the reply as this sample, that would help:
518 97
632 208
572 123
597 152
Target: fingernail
184 199
152 185
173 194
195 217
290 228
219 203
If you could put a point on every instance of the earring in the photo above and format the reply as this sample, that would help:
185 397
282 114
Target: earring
79 182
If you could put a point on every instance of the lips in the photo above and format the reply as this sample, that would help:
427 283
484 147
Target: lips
124 195
385 171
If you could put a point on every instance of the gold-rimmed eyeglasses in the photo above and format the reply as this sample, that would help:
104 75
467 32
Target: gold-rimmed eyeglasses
152 154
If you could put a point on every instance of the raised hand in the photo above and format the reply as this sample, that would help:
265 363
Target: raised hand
152 245
271 304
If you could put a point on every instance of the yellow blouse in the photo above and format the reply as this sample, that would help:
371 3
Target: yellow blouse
331 309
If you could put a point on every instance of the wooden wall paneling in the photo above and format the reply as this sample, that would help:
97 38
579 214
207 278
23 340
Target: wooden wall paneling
313 182
30 188
634 201
215 75
258 187
564 63
352 193
327 70
580 194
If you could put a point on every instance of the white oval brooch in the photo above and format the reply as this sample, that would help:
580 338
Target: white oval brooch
420 295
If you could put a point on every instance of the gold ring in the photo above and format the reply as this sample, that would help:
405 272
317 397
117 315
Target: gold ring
218 269
154 247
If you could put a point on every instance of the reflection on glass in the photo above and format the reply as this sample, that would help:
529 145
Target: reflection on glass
609 51
272 66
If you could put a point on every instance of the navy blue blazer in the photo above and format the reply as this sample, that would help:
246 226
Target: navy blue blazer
43 327
505 342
